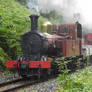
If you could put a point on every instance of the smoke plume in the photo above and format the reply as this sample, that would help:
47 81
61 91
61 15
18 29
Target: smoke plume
72 10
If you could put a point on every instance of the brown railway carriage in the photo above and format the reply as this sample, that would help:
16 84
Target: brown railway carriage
71 35
70 47
67 38
74 30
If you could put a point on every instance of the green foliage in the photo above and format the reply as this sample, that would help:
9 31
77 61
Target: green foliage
66 65
22 1
69 84
3 58
14 21
88 60
62 64
53 16
77 82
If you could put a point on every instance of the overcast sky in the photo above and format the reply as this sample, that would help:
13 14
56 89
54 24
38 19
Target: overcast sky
85 8
70 7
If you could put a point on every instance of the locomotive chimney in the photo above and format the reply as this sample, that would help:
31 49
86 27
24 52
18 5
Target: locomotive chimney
34 23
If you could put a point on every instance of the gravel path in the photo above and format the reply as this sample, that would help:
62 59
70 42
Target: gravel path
49 86
8 77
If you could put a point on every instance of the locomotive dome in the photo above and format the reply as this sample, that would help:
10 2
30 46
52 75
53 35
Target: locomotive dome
47 23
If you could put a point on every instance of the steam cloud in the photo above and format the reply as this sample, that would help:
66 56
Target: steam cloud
71 9
65 7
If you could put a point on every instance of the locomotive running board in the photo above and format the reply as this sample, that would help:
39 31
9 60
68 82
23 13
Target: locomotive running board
31 64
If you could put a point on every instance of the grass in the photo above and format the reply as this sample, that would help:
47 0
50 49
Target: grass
80 81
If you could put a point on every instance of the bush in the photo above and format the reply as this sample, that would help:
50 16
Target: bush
3 58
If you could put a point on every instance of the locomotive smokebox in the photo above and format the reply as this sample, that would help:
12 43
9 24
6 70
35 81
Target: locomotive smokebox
34 22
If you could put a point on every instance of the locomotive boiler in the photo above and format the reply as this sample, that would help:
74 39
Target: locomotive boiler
37 47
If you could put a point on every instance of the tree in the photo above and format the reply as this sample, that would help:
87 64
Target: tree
53 16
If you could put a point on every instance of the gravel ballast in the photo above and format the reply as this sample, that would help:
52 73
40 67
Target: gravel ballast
48 86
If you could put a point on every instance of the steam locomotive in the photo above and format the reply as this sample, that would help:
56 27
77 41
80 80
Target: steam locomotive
38 47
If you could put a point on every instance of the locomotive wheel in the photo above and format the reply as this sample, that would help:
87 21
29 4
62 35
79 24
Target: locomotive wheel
24 76
45 74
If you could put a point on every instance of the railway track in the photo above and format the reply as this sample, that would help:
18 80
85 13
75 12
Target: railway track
6 86
17 84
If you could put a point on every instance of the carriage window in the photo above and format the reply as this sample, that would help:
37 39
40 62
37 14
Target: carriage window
65 30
